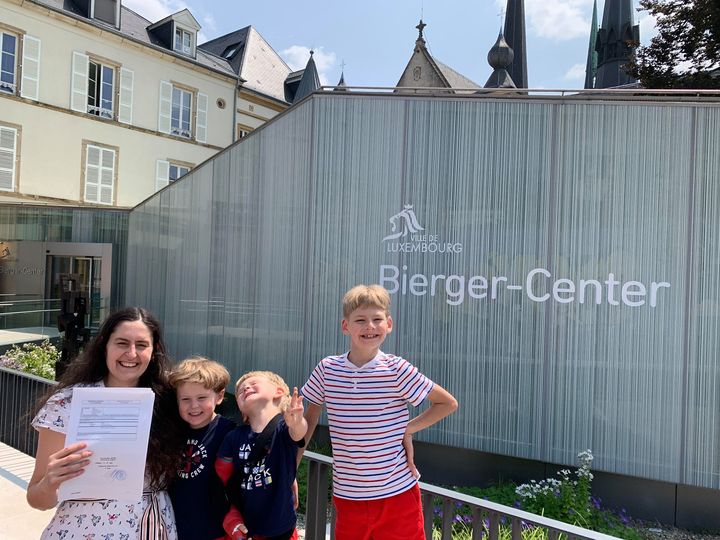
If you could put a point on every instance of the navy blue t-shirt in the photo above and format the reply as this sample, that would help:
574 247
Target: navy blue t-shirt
197 492
267 499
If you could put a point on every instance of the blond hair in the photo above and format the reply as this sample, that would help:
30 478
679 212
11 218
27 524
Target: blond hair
366 296
198 369
274 378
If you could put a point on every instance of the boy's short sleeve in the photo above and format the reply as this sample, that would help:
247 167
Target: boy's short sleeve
412 385
226 451
314 389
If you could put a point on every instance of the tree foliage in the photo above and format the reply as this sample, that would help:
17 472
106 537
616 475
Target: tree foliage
686 51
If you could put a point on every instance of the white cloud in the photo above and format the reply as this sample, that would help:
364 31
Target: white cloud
648 27
154 10
297 57
560 20
576 72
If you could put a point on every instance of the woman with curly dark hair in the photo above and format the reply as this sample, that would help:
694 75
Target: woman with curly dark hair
127 352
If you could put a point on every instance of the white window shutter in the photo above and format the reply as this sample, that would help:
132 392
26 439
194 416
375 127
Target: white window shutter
8 148
162 174
92 173
165 110
99 174
30 85
127 78
107 175
201 120
79 91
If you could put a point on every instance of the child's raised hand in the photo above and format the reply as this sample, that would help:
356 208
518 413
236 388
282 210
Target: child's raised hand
294 413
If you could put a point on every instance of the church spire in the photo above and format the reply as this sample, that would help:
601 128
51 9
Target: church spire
592 57
515 38
500 58
617 38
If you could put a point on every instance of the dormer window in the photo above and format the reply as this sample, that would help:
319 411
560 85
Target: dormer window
184 41
178 32
107 11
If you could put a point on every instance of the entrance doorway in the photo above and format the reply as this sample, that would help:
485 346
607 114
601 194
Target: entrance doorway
90 266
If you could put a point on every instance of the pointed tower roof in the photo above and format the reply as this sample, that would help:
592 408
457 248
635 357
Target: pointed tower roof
310 80
614 43
592 57
500 57
341 86
515 38
424 71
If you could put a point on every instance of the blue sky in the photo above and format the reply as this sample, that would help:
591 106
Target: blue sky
375 38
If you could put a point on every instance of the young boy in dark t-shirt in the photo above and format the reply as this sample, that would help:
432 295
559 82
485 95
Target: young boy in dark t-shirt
259 480
197 493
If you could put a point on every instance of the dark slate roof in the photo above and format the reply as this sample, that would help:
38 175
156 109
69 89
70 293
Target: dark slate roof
515 37
500 58
254 60
134 27
614 41
224 45
454 79
341 86
310 81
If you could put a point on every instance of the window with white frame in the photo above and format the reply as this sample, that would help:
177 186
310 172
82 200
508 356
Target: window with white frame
181 120
19 75
182 112
100 164
167 172
8 62
183 41
101 89
8 157
177 171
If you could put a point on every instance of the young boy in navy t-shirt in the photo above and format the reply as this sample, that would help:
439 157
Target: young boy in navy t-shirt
196 492
367 392
257 461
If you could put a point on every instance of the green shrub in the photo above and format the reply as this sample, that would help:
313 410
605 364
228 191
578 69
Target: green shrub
32 358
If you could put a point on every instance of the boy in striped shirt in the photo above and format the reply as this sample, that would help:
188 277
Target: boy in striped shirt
366 392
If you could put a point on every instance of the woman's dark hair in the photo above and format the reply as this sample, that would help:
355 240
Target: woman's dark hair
165 444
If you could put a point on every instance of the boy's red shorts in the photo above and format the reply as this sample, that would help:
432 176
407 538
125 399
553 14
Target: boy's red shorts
399 517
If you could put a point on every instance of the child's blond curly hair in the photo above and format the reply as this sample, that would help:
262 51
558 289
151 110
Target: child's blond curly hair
274 378
198 369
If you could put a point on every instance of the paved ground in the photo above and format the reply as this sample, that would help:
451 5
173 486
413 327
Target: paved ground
17 520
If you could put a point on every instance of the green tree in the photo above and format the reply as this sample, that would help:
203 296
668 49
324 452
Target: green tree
686 51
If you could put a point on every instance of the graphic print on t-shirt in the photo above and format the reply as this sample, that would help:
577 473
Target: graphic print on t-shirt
192 459
258 475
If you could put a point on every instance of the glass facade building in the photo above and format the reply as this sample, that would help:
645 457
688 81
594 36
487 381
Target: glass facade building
553 262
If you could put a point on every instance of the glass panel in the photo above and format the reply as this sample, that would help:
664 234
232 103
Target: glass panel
96 311
8 62
106 98
178 39
547 264
93 88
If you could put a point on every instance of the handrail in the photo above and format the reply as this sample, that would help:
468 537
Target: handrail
532 91
487 516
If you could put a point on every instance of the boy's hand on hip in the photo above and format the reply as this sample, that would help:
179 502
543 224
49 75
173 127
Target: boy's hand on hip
410 454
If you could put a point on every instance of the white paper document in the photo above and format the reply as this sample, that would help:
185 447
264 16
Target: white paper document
115 424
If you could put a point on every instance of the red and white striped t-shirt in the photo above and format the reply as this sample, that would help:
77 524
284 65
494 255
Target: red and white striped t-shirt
368 415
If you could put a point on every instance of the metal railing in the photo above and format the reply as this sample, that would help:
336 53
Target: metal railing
484 518
19 394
